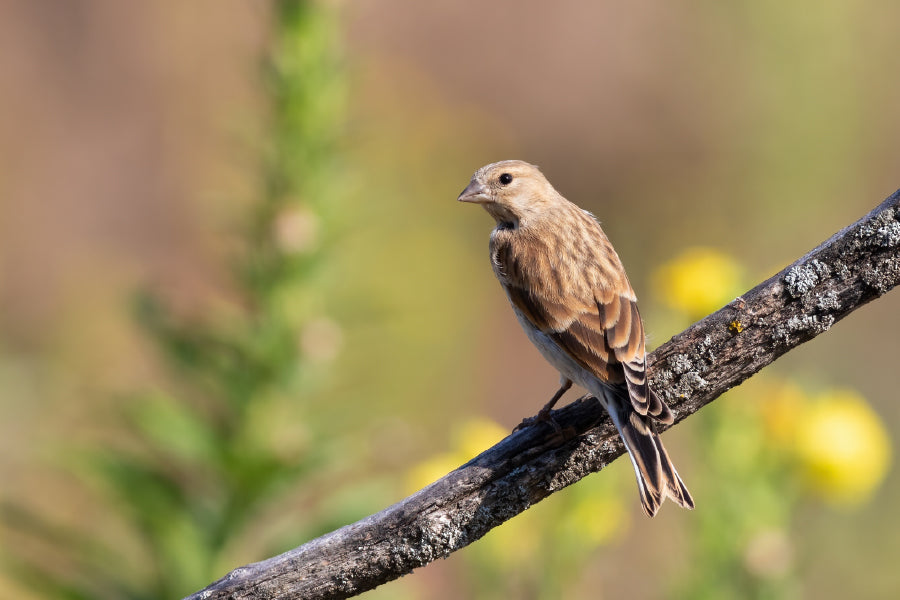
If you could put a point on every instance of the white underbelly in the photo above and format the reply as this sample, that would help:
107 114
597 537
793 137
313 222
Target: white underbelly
560 359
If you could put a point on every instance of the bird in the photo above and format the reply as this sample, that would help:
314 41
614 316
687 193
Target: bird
571 295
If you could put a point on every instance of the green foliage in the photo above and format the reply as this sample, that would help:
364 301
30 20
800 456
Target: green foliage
187 484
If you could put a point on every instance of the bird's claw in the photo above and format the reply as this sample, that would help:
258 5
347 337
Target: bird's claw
544 416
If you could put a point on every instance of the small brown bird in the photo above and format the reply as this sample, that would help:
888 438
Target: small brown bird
571 295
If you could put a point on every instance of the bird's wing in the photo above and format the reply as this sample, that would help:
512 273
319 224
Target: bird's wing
575 327
625 335
599 328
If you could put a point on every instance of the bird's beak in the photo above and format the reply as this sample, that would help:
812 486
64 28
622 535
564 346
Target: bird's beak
474 192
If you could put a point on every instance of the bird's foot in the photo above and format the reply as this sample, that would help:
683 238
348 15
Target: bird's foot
544 416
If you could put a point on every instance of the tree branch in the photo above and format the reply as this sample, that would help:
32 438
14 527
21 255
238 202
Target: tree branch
855 266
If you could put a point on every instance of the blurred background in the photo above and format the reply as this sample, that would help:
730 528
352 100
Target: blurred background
240 306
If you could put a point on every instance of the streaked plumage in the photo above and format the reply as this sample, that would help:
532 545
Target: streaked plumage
571 295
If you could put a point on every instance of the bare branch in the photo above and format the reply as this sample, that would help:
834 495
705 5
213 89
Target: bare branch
855 266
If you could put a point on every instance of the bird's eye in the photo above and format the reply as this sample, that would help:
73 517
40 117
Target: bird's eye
505 179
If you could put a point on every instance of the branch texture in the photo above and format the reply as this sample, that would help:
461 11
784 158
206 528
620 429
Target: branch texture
857 265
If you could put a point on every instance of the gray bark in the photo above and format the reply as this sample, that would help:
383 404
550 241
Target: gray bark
857 265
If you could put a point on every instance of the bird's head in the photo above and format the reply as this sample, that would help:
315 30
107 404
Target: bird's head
512 191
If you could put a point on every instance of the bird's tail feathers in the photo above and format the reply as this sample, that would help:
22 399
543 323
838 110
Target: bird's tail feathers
656 475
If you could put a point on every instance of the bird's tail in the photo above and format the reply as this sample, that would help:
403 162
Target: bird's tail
656 475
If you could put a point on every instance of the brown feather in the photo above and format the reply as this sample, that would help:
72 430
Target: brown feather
619 334
656 475
611 311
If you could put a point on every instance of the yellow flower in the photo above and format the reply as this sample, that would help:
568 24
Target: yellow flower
430 470
843 447
470 440
698 281
476 436
782 405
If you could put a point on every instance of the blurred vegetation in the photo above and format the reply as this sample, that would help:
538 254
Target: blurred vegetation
200 468
357 328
